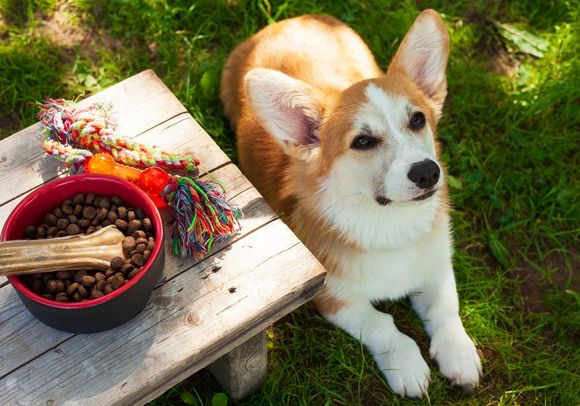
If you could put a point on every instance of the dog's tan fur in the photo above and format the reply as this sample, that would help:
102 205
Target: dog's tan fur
286 186
337 78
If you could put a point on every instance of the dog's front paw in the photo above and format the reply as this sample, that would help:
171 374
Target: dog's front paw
405 369
457 358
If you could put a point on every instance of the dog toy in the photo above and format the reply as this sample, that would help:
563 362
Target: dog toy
86 140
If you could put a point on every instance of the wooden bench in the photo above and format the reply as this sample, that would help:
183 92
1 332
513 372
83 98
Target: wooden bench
211 312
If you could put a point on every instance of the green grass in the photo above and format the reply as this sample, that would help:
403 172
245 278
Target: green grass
510 142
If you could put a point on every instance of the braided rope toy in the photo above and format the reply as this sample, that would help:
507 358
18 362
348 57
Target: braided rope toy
84 138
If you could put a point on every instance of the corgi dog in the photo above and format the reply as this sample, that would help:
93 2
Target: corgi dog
347 154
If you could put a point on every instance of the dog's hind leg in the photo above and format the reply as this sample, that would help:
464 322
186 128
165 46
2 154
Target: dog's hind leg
396 354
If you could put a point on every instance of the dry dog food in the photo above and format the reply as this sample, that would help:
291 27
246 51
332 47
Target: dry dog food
86 213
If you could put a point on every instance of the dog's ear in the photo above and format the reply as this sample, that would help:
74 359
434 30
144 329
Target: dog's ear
423 55
286 108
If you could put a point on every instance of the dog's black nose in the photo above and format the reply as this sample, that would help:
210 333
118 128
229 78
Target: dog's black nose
424 174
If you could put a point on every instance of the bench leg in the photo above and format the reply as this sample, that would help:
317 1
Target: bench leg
242 371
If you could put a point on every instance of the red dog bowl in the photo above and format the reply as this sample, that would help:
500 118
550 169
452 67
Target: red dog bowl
107 311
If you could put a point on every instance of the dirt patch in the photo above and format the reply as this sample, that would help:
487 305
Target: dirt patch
501 61
60 30
534 286
67 30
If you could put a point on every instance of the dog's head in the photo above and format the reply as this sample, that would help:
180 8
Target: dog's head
372 145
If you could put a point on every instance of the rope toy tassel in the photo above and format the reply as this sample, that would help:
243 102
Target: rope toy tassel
202 216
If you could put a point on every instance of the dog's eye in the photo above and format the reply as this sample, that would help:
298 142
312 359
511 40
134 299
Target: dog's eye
417 121
362 142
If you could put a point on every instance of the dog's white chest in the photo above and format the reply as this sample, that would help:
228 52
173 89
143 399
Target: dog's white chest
380 274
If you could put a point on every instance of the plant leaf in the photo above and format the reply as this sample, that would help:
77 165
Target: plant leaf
498 249
454 182
188 398
525 41
219 399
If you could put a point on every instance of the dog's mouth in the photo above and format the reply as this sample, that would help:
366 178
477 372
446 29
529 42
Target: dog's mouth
383 201
424 195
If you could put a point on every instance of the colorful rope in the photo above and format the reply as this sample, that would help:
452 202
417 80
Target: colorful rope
203 216
70 128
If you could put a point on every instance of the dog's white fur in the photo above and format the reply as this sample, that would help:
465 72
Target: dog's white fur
373 252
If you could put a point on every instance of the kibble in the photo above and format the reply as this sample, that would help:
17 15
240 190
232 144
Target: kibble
73 229
90 198
72 288
41 232
95 294
122 211
147 225
51 286
117 282
117 263
51 232
50 219
127 268
138 260
85 214
112 217
79 198
122 225
105 203
83 291
100 285
67 209
62 224
133 273
84 223
88 281
79 274
129 244
101 214
134 225
30 232
89 212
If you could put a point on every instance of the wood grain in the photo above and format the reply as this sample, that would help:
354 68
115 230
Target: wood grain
17 349
189 322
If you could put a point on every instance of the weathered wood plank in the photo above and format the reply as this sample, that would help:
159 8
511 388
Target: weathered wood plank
190 322
140 102
242 371
22 337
